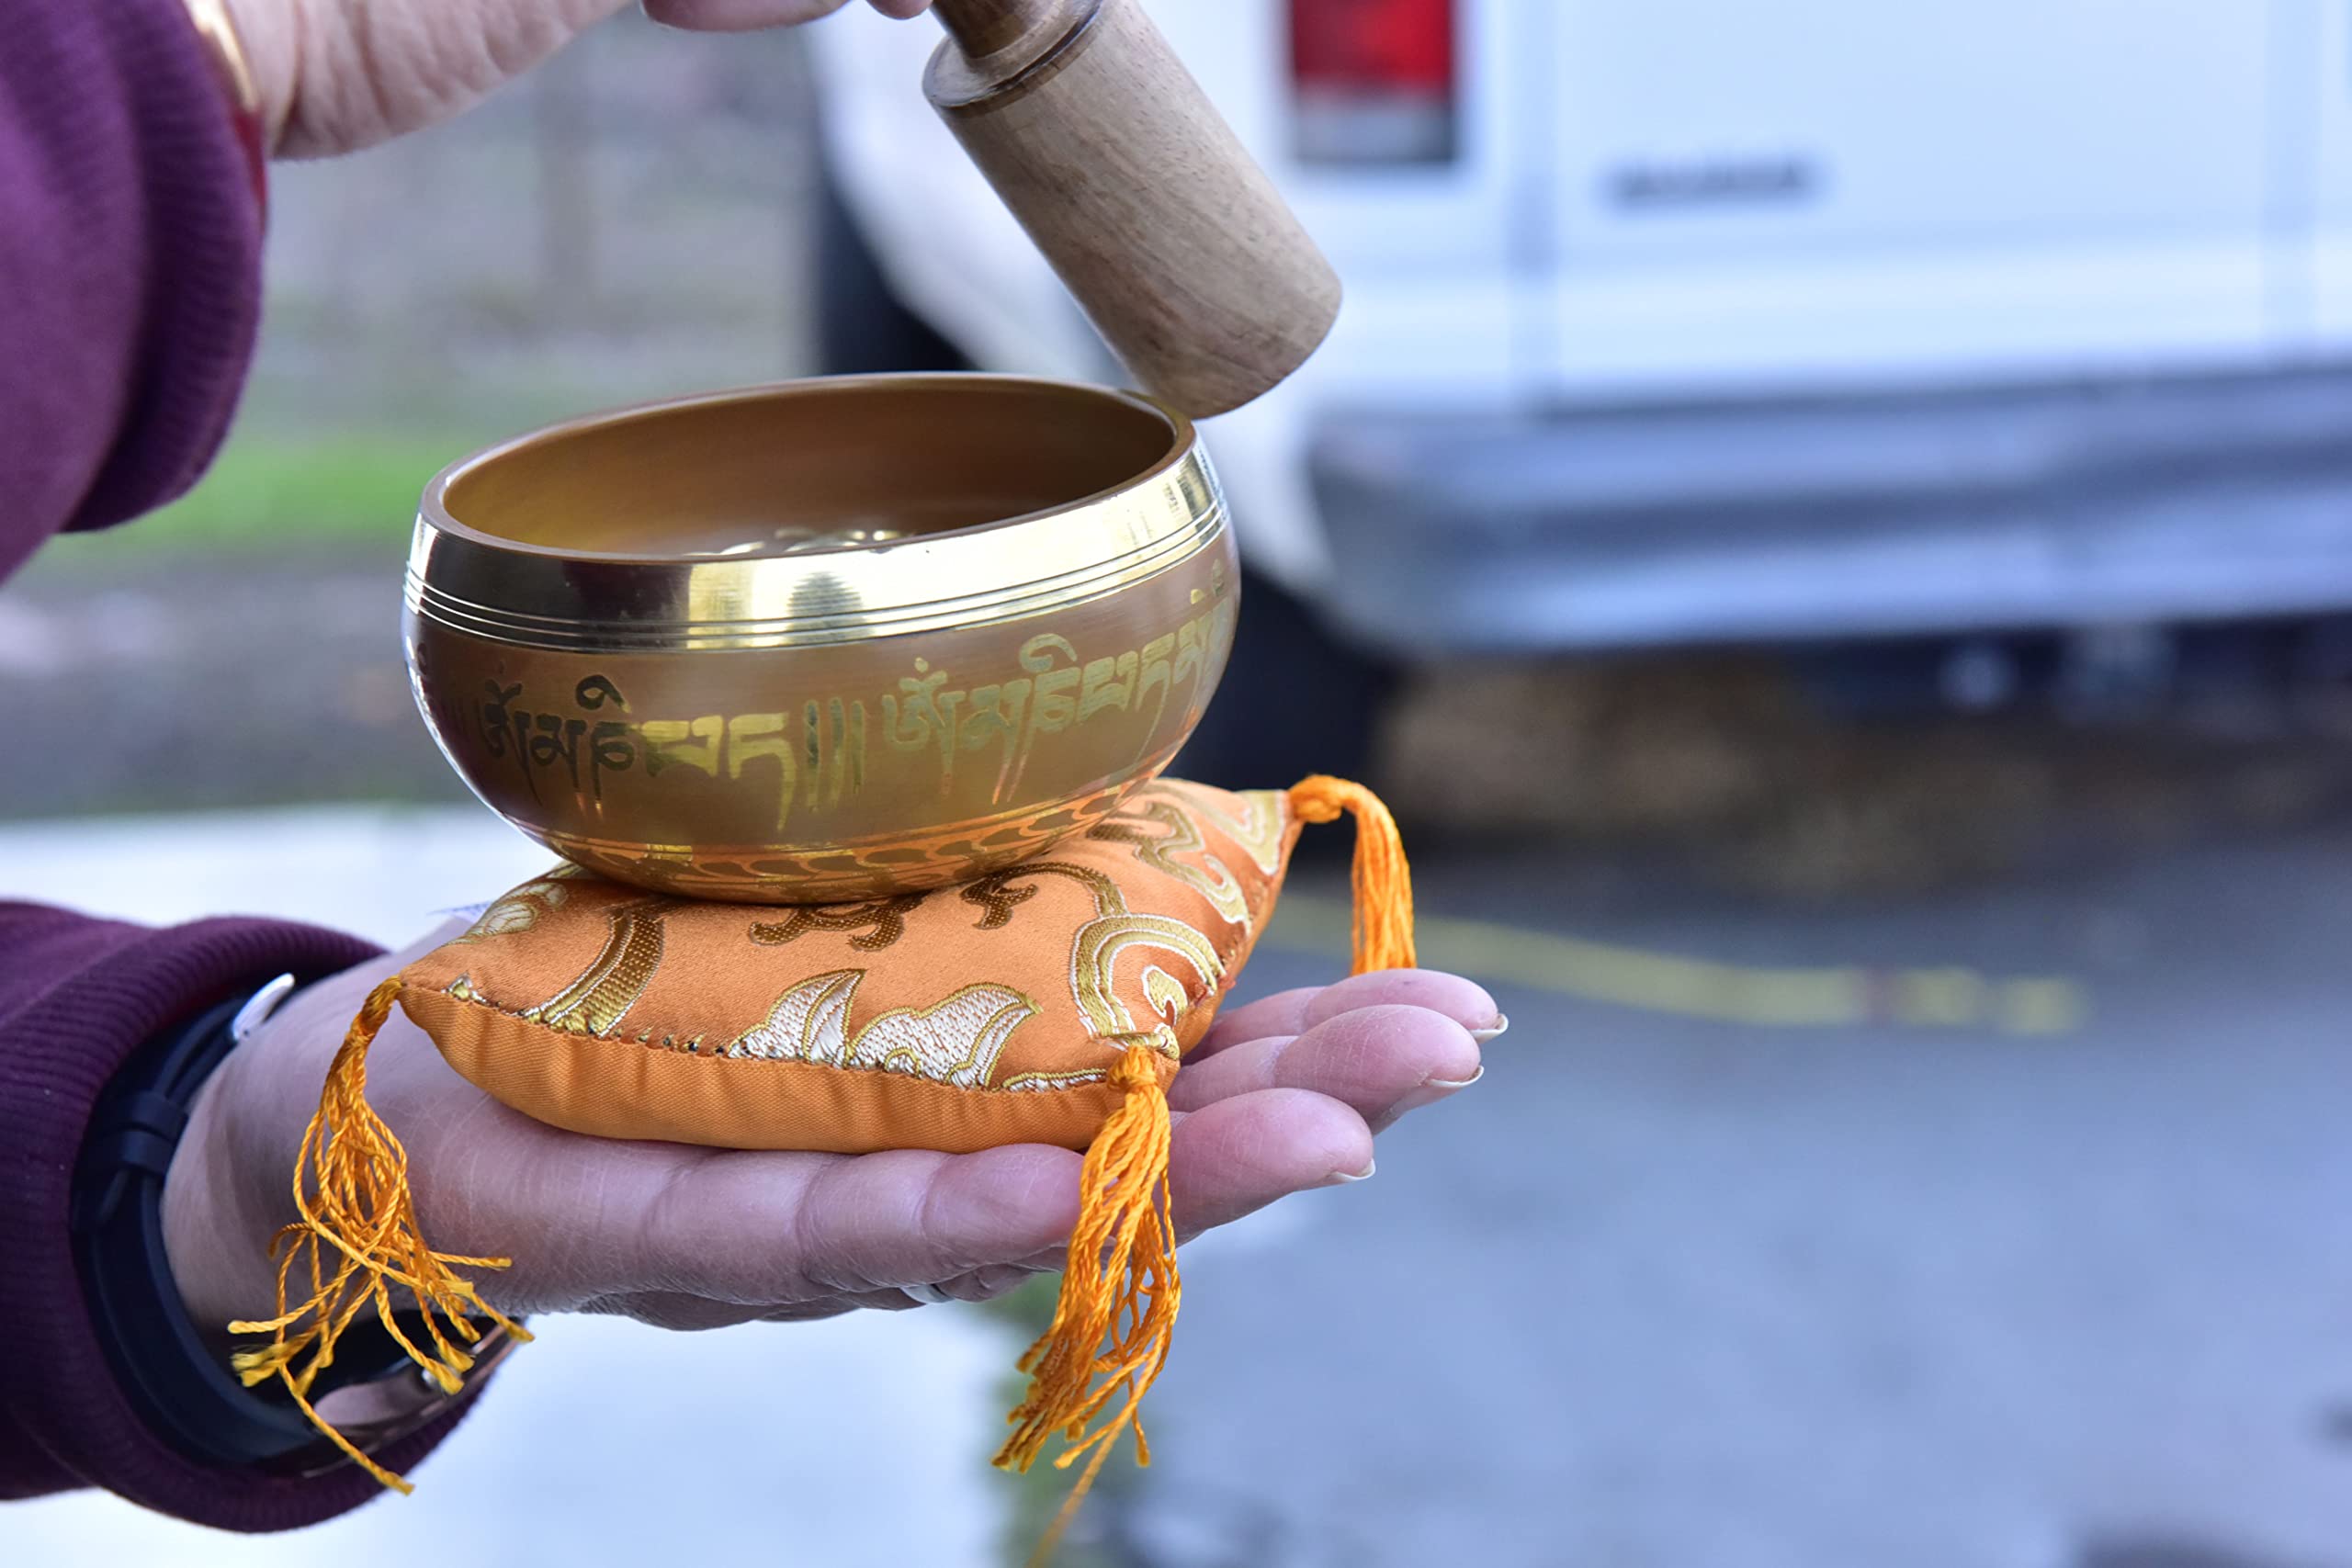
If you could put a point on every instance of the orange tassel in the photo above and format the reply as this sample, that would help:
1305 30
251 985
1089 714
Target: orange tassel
1119 1284
362 1218
1382 882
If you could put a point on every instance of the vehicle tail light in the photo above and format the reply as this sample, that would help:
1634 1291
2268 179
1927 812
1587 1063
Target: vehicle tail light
1374 81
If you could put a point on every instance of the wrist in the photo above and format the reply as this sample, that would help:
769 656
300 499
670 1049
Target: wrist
230 1188
172 1243
217 1247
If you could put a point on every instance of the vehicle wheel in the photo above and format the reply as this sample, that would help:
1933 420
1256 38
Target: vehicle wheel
1295 700
862 327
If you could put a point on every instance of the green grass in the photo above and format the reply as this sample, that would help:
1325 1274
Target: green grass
273 491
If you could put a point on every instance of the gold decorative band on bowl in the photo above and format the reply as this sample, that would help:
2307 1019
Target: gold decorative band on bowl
586 614
527 543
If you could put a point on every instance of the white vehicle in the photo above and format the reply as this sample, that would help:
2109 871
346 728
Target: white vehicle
1703 320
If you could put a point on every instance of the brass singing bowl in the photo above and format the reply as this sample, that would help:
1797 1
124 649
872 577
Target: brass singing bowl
826 640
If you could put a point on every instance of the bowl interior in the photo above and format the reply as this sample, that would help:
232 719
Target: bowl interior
777 469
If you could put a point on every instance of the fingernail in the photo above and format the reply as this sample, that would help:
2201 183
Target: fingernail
1431 1090
1492 1031
1342 1177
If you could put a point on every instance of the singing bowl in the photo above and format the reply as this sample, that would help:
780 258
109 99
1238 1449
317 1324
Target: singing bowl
826 640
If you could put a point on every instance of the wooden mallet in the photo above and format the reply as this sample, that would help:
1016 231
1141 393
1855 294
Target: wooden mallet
1171 238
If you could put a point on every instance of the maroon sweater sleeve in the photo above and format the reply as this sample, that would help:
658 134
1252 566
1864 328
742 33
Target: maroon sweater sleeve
130 263
130 285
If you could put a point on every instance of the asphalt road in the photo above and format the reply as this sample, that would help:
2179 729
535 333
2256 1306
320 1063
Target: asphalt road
1664 1289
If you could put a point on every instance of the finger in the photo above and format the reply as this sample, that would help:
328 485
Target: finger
1381 1062
997 1279
1291 1012
737 16
1284 1012
834 1306
746 16
687 1313
759 1228
979 1285
693 1315
1461 1001
1239 1155
575 1213
977 1210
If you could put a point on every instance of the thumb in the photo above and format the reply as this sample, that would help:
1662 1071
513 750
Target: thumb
334 77
743 16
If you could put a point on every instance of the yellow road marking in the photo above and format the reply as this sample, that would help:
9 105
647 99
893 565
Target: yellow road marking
1843 996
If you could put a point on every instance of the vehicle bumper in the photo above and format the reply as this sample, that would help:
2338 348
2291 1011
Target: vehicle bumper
2180 499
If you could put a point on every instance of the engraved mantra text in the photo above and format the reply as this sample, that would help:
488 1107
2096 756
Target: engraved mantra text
820 749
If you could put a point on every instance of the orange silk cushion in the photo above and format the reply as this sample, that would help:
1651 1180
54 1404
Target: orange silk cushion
985 1013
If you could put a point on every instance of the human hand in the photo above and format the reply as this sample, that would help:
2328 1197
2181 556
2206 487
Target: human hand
337 75
1284 1094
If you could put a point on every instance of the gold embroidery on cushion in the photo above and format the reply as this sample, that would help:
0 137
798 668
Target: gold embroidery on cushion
462 987
505 918
1030 1082
1159 850
808 1023
998 897
1094 957
1095 950
955 1041
1165 993
519 910
596 1001
1259 828
883 921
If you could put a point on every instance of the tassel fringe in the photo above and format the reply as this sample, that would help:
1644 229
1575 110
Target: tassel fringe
1382 882
1120 1284
357 1238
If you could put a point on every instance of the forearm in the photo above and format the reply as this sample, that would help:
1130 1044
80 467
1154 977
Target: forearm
130 258
77 996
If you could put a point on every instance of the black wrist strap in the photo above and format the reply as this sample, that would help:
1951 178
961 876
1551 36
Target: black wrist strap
169 1372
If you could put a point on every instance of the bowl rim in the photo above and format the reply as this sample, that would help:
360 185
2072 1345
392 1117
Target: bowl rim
433 511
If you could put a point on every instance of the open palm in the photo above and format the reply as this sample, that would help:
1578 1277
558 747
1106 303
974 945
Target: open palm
1284 1094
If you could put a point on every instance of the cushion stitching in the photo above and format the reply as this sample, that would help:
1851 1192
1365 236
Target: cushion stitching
481 1001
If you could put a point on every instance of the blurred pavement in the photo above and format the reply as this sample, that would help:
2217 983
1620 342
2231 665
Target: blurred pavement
1661 1290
